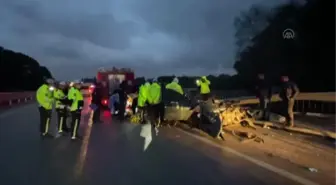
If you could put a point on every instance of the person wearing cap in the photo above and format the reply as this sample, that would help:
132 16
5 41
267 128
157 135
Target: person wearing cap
61 108
204 84
45 100
289 91
77 104
154 101
175 86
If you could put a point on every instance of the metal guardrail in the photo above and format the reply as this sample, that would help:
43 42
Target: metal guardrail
305 102
12 98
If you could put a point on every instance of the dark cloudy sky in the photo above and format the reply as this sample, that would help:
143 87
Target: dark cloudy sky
155 37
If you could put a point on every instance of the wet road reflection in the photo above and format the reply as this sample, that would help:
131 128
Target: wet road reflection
113 153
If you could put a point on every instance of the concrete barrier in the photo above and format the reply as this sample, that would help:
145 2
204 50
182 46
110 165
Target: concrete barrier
8 99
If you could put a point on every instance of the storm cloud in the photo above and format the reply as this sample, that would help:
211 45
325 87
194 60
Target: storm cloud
154 37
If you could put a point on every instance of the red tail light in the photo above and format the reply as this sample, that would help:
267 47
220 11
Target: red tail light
104 102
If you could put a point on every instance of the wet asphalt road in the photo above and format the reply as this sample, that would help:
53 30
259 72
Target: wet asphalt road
112 153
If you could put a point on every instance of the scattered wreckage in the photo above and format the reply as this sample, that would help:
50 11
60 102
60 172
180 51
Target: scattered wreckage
217 118
212 118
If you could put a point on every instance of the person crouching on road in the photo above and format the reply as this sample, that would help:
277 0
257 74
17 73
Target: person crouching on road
264 94
77 99
44 97
142 98
204 84
61 108
154 100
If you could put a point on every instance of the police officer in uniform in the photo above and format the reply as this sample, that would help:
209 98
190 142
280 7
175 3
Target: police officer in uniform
175 86
142 99
77 99
45 99
204 84
154 101
61 108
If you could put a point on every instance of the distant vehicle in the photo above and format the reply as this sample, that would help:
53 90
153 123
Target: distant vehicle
110 79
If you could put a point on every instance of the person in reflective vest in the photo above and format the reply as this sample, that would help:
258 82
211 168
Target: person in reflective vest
154 107
175 86
204 84
77 99
142 98
45 100
61 108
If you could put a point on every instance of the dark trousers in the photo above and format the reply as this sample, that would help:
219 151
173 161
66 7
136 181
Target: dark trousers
61 120
153 114
75 119
161 113
45 117
121 109
264 107
288 112
141 112
96 115
205 97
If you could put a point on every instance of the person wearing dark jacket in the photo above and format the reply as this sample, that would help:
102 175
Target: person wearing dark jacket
96 99
289 91
122 101
264 94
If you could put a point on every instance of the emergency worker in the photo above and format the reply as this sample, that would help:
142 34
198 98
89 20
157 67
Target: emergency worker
289 91
175 86
154 101
77 99
264 94
61 108
71 87
142 99
204 84
44 97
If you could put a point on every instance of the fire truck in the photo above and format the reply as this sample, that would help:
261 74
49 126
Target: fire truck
111 78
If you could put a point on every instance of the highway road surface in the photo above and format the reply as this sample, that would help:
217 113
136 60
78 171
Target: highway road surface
113 153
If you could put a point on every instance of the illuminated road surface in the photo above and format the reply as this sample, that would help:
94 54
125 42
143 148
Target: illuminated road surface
112 154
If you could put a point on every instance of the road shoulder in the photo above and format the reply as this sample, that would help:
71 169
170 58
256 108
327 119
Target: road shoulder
284 150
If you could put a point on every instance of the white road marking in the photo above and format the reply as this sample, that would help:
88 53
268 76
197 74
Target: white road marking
262 164
146 132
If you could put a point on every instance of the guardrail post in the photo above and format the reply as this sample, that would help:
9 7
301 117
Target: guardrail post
18 100
309 107
10 102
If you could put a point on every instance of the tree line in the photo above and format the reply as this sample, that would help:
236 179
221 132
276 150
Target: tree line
20 72
308 58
